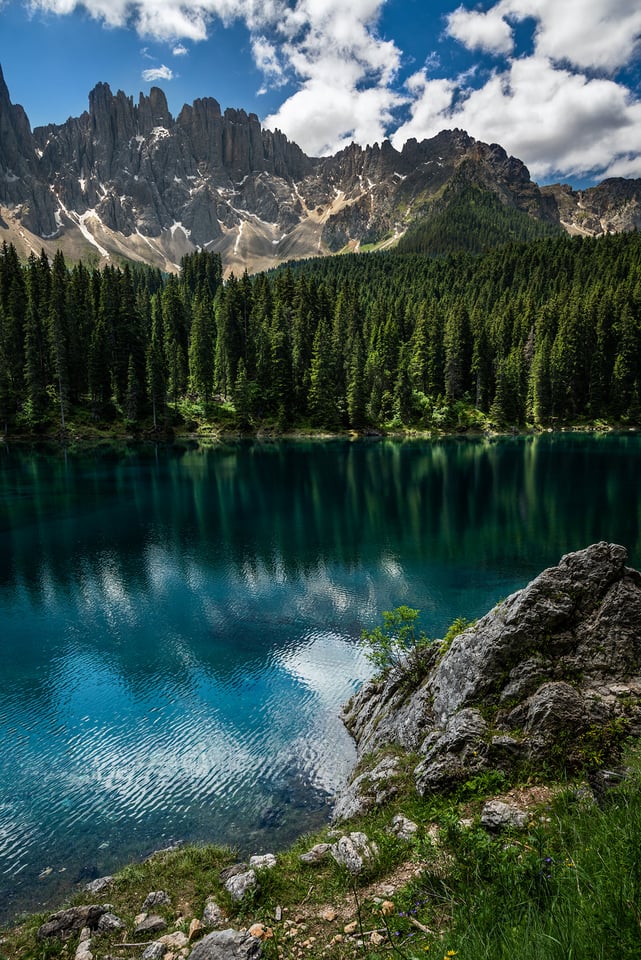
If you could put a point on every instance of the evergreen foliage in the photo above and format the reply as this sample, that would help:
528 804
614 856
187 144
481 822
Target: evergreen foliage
542 332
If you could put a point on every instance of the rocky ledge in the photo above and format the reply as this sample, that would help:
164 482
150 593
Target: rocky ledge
548 680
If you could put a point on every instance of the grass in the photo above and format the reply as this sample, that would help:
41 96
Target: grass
568 887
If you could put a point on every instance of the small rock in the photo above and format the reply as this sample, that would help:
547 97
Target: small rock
403 828
97 886
265 861
329 914
278 914
157 898
260 931
350 928
497 815
83 951
109 922
316 855
150 925
212 915
238 885
195 927
375 938
353 851
337 939
387 908
155 951
227 945
174 941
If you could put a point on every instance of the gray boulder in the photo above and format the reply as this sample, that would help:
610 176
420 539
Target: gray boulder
369 790
403 828
227 945
155 951
97 886
551 673
67 922
263 861
110 922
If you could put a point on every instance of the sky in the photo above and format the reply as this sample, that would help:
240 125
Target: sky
556 82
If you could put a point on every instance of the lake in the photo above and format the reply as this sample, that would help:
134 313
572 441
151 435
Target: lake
180 624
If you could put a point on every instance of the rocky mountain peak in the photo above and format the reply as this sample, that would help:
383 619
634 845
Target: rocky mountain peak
127 179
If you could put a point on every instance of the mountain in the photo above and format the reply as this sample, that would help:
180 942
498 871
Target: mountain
128 180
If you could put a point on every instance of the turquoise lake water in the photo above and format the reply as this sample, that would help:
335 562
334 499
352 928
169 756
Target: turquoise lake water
179 625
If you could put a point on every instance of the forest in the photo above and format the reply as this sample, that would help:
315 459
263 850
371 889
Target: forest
542 332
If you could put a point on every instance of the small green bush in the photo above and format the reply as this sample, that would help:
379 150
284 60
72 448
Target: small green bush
397 645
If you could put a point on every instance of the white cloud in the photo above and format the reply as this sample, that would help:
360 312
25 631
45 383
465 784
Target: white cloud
157 73
345 74
483 31
266 58
589 34
180 50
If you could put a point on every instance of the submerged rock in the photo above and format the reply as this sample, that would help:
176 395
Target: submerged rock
551 675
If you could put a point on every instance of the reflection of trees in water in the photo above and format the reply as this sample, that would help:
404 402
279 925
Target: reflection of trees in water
280 508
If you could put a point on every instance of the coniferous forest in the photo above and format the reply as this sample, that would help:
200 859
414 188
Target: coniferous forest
542 332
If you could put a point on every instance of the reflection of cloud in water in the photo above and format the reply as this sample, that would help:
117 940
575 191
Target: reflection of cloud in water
331 669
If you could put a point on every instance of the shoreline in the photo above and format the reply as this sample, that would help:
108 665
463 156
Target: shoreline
211 438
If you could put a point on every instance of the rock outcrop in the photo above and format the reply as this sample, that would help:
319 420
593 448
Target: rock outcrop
550 678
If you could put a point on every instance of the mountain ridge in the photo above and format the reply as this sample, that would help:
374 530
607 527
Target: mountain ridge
127 180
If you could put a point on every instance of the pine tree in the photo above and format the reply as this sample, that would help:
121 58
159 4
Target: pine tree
58 322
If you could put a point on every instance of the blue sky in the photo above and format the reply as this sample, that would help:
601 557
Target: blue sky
556 82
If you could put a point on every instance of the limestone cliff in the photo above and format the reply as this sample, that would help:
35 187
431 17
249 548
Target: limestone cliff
551 677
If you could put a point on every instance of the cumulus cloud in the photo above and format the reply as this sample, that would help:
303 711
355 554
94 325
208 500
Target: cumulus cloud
345 75
180 50
484 31
589 34
157 73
